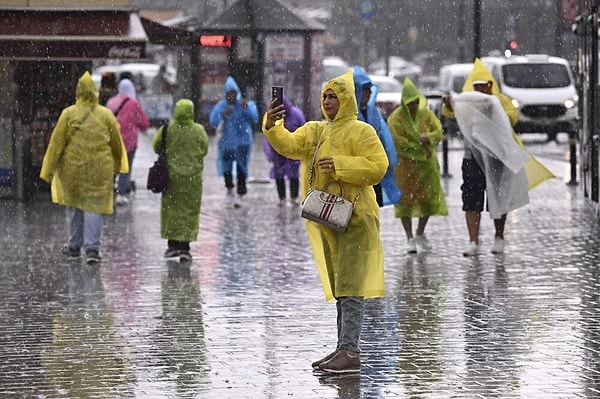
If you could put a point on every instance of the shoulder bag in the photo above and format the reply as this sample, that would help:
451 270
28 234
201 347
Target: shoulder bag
331 210
158 175
121 106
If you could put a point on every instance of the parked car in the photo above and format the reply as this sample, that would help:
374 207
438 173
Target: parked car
390 93
542 89
334 66
451 79
399 68
430 63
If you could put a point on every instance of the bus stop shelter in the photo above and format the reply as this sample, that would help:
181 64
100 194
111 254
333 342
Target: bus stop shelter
266 44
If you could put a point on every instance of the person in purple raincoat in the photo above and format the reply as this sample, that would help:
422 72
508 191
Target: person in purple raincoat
285 167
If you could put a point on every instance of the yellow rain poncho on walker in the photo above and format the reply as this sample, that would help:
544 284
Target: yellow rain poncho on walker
350 263
85 152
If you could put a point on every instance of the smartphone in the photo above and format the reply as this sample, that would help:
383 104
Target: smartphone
277 93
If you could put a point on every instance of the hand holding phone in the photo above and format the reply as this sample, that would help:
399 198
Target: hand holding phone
277 94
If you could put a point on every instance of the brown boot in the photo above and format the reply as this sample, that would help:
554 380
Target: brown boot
342 362
315 365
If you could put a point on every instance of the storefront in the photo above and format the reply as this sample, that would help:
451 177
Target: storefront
587 26
42 55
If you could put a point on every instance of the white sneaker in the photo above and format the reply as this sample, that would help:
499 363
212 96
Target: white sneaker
121 200
423 243
230 192
238 201
411 247
472 250
498 247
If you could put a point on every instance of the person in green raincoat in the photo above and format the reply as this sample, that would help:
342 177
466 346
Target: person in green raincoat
416 132
84 154
350 263
187 145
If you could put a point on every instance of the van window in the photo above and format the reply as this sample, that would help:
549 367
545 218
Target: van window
536 75
458 82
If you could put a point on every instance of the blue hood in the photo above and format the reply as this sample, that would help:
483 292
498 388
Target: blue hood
231 85
360 79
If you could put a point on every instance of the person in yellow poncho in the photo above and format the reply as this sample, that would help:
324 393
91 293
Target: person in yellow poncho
495 161
350 263
85 152
416 132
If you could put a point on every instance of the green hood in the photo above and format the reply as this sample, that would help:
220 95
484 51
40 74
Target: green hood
184 111
410 93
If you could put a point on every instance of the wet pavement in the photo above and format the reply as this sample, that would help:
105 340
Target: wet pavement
247 317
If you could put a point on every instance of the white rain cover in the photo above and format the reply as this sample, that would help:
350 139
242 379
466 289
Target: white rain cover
488 133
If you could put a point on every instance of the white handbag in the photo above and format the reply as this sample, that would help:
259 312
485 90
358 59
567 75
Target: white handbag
325 208
328 209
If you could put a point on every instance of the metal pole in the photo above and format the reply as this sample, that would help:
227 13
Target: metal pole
445 172
573 158
195 67
595 197
477 29
461 31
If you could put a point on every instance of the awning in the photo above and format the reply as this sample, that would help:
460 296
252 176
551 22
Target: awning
28 34
161 34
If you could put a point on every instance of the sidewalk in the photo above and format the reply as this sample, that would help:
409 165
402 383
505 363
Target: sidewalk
247 318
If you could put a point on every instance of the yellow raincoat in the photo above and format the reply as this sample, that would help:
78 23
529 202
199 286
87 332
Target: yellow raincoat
536 172
350 263
84 153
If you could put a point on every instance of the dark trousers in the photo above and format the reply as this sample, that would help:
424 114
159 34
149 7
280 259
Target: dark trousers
241 181
294 187
378 194
179 245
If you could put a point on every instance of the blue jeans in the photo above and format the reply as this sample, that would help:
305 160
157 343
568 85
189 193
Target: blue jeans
350 313
85 229
124 183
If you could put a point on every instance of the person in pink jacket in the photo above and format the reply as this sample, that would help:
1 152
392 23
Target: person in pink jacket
131 120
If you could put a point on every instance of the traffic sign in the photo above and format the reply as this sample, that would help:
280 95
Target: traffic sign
367 9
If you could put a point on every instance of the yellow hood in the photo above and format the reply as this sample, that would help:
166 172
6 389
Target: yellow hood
86 92
343 87
480 72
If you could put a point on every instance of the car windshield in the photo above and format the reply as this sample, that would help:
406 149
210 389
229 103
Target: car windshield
389 86
536 75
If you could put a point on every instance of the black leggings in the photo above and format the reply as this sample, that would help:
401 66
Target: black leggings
179 245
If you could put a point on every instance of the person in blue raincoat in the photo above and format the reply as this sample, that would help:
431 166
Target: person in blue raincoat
387 192
350 263
237 115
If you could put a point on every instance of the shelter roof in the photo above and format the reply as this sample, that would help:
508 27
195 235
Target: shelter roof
252 16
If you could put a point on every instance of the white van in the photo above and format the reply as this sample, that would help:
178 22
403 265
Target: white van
542 88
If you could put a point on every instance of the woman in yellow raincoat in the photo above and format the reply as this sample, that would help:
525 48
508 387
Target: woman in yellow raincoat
416 132
350 263
84 154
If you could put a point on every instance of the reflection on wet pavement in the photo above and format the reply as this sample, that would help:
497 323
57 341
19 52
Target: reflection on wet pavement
247 317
